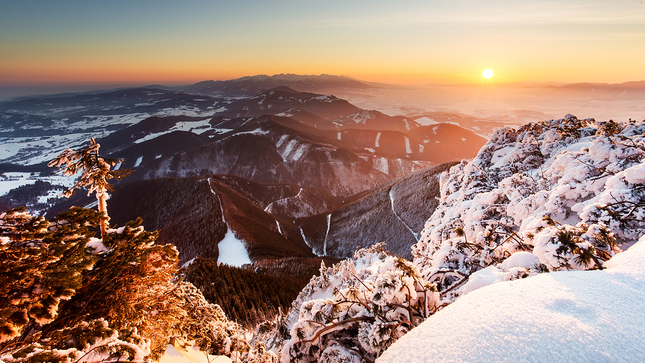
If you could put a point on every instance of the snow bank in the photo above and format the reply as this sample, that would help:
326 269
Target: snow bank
192 355
232 251
566 316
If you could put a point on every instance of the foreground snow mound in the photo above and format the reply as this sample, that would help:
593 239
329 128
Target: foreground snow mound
567 316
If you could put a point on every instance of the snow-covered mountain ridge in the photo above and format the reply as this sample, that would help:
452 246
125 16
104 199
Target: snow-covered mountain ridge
569 191
551 196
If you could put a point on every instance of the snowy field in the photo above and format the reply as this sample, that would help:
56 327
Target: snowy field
12 180
232 251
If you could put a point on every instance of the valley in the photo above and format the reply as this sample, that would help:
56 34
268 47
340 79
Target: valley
288 214
291 172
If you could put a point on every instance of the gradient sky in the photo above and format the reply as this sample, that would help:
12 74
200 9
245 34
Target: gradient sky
451 41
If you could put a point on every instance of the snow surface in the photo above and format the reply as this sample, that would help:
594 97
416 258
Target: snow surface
196 127
327 234
9 181
54 193
287 150
232 250
39 149
426 121
565 316
138 162
408 149
12 180
302 233
278 225
381 164
174 355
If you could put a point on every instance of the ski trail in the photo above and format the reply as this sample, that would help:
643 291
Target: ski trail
327 234
302 233
416 235
221 207
378 137
279 229
313 250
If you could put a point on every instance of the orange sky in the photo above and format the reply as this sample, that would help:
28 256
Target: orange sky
403 42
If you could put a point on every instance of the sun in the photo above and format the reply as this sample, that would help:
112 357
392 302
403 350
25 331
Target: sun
487 73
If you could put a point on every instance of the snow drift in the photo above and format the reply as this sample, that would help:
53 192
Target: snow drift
565 316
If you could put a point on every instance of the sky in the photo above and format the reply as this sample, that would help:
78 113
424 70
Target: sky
87 42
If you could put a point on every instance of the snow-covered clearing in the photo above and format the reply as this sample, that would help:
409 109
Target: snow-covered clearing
50 194
196 127
287 150
8 150
378 137
381 164
565 316
426 121
138 162
232 250
12 180
408 149
185 110
282 139
257 131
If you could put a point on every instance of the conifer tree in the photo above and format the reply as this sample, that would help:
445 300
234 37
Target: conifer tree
41 267
95 172
73 298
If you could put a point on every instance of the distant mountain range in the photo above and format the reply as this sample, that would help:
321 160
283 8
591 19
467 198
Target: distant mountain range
270 165
246 86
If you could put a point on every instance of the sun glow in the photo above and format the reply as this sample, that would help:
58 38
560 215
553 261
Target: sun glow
487 73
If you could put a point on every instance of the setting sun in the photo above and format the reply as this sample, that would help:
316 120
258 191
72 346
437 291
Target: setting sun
487 73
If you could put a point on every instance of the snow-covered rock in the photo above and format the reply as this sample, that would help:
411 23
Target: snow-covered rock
558 196
567 191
